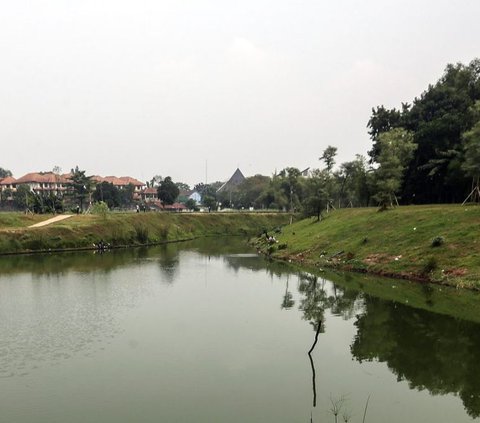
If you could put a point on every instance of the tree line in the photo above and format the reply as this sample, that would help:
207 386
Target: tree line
426 151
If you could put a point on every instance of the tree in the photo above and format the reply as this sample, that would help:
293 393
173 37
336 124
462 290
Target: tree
352 183
471 164
382 120
328 157
23 198
126 195
191 204
182 186
209 202
317 194
108 193
167 191
155 181
81 185
249 191
396 150
4 173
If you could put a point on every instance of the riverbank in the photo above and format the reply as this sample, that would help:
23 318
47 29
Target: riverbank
424 243
126 229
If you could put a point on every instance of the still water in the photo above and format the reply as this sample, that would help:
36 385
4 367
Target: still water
209 332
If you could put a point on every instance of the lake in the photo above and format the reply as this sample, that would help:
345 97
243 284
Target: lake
207 331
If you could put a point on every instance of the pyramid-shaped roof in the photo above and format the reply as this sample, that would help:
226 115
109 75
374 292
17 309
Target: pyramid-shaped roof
235 180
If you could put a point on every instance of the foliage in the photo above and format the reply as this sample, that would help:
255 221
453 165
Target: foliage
209 202
191 204
328 157
396 149
182 186
471 164
167 191
22 198
101 208
155 181
316 188
4 173
106 192
81 185
437 241
438 118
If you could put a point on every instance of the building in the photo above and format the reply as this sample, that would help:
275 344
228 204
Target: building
149 195
235 180
46 182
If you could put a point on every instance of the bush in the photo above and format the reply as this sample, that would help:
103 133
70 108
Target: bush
437 241
100 208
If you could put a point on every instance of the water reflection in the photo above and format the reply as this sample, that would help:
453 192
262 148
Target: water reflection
431 343
430 351
168 259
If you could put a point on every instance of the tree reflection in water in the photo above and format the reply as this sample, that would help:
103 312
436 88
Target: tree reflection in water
315 301
430 351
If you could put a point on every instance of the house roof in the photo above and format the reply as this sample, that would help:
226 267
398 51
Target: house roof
236 179
175 206
42 177
122 181
150 191
8 180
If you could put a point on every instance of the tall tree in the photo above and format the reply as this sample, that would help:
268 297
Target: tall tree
167 191
328 157
396 150
81 185
108 193
471 164
382 120
155 181
182 186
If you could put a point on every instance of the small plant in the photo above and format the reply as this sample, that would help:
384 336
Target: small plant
282 246
437 241
100 208
364 241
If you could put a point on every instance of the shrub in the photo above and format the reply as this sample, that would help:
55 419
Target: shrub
100 208
437 241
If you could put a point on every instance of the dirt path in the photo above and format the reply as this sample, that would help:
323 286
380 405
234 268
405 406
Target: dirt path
52 220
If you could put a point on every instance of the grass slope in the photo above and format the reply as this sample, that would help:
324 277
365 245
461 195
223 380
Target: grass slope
396 242
126 229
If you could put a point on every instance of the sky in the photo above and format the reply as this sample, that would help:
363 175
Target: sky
193 89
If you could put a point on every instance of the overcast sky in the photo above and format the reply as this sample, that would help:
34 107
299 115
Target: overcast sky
150 87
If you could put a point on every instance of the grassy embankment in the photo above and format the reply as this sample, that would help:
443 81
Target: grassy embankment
125 229
397 243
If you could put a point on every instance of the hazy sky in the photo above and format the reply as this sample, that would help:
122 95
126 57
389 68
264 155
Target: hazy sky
151 87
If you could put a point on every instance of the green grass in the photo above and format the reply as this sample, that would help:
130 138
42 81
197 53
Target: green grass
396 242
127 229
10 220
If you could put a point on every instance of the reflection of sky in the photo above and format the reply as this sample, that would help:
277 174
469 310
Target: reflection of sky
54 317
173 332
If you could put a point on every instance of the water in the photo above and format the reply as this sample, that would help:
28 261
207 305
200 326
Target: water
209 332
